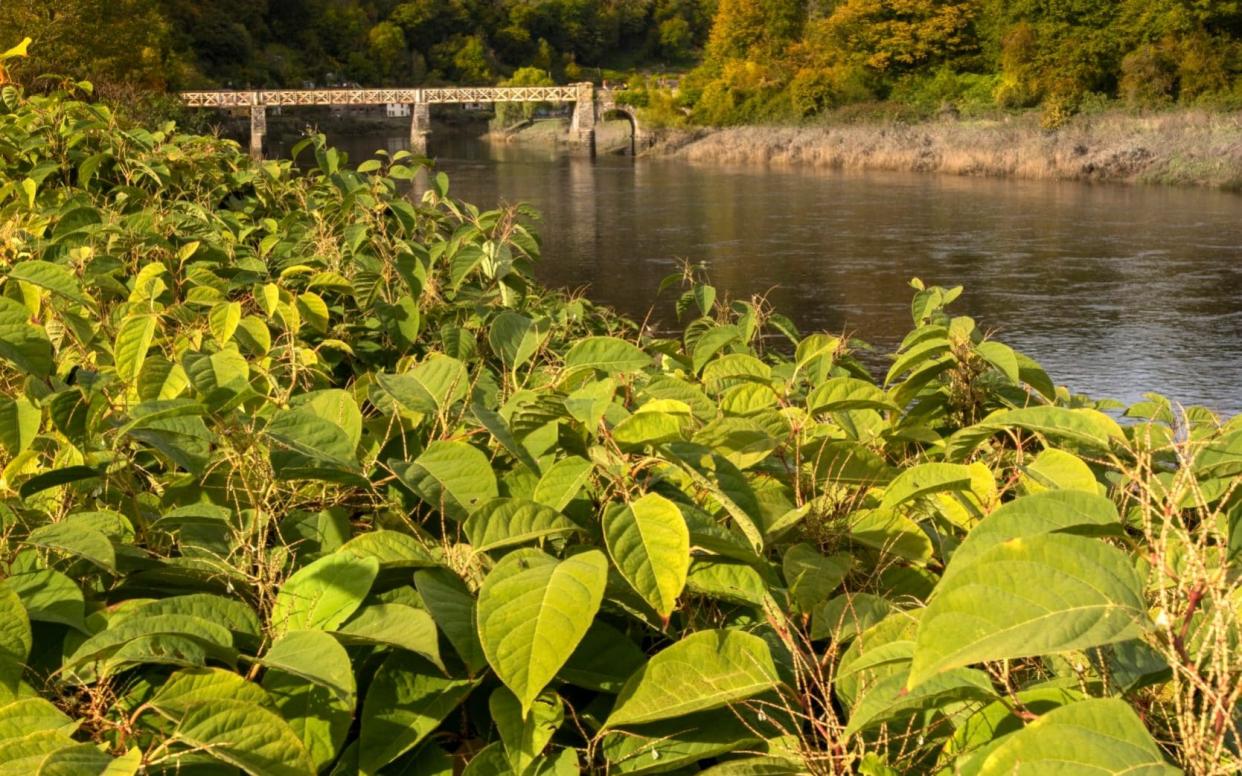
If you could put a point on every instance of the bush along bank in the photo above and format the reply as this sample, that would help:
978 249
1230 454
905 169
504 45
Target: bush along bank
301 476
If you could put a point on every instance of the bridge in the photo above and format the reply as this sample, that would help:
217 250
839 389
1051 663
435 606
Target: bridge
590 106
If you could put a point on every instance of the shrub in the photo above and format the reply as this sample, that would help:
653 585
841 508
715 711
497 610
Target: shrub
300 476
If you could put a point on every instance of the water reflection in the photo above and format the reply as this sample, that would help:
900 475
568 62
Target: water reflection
1115 289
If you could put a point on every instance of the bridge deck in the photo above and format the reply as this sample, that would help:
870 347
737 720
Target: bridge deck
251 99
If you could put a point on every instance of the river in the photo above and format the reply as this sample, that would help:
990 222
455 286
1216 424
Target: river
1116 290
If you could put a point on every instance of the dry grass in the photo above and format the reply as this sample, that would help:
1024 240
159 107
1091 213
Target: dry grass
1196 148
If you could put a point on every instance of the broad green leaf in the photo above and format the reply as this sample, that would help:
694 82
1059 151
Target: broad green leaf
395 625
506 522
524 737
892 533
924 480
245 735
563 481
1056 469
177 639
812 577
742 441
311 682
533 611
650 545
191 686
453 477
223 320
391 549
407 700
78 540
1028 596
514 338
1086 427
705 670
49 596
23 716
453 608
606 354
89 760
308 446
1048 512
53 277
324 594
19 424
314 657
1096 736
432 386
726 580
604 659
847 393
888 699
26 346
648 428
674 743
134 339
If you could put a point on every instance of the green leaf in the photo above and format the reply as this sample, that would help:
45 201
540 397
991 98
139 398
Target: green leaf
662 746
246 736
307 446
89 760
1086 427
395 625
650 545
563 481
311 683
315 657
1095 736
532 613
56 478
506 522
19 424
53 277
923 480
223 320
191 686
888 699
133 340
26 346
31 715
514 338
407 700
604 659
606 354
431 387
78 540
324 594
847 393
453 608
524 737
391 549
15 642
1048 512
49 596
811 577
648 428
453 477
706 670
1028 596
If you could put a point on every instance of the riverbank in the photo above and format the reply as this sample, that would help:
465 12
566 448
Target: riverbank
1185 148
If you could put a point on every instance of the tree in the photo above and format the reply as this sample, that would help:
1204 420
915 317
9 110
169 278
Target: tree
386 43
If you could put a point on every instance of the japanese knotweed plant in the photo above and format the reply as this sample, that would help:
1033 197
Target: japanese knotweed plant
301 474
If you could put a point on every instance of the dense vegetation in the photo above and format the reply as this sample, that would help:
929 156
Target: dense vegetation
769 60
298 475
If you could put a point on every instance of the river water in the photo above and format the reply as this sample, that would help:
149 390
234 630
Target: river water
1116 290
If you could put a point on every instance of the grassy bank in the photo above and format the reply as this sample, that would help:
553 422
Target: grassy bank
1188 148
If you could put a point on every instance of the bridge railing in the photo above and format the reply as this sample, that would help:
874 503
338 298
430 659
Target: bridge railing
272 97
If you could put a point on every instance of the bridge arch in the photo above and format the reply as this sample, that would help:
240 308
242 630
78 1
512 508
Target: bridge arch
611 108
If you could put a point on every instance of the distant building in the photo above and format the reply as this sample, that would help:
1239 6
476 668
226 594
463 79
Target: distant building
397 110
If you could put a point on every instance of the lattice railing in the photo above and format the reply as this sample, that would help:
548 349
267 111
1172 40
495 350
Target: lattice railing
229 99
